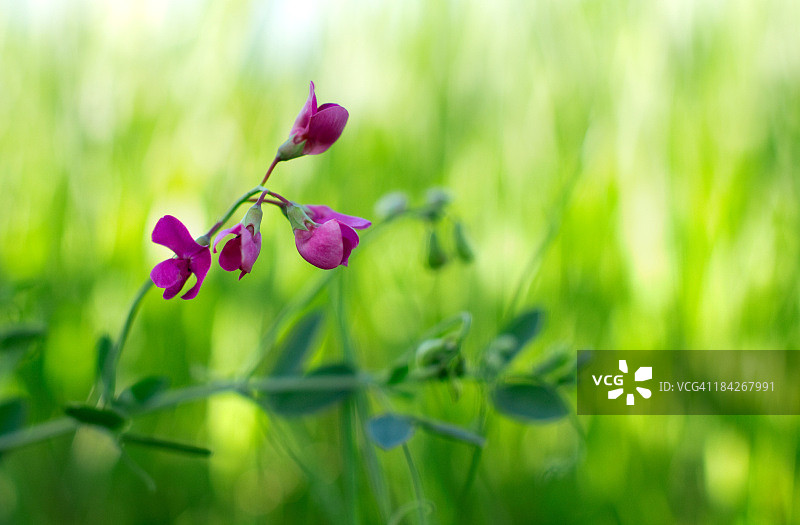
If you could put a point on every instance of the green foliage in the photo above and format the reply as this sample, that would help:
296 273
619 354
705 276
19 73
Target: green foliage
296 346
390 430
106 418
164 445
12 415
143 390
303 402
529 402
19 338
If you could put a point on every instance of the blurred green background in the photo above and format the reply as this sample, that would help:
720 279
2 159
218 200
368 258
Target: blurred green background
631 167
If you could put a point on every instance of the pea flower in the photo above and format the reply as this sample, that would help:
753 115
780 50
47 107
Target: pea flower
324 238
192 258
242 251
315 129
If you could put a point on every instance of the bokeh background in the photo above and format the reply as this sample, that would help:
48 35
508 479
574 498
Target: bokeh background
630 167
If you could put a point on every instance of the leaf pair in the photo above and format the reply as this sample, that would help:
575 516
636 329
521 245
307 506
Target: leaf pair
392 430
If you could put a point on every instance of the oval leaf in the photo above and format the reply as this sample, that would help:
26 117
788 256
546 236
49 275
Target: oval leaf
463 246
390 430
451 432
436 254
141 391
20 337
529 402
165 445
301 402
296 346
110 419
12 415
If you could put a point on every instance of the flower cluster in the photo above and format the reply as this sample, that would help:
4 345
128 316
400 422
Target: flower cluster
324 237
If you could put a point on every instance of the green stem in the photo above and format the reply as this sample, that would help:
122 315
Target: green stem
244 198
36 433
172 398
110 367
417 482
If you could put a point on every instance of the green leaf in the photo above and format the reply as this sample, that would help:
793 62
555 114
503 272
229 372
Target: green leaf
555 360
141 391
110 419
436 254
451 431
390 430
529 402
463 246
165 445
301 402
12 415
20 337
525 326
296 345
104 368
512 339
398 374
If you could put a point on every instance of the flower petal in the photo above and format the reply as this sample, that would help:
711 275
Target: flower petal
321 213
198 265
236 230
309 109
324 128
170 272
251 247
231 257
349 242
171 232
321 246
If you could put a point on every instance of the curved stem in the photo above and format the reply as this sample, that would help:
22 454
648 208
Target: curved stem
417 482
109 372
244 198
275 162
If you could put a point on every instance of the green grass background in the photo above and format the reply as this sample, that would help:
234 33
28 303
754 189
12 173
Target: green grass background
631 167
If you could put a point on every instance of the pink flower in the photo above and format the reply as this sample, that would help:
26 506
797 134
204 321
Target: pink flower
242 251
328 238
315 129
192 258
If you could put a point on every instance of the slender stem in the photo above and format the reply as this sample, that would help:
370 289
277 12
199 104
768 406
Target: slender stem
109 373
36 433
244 198
417 482
275 162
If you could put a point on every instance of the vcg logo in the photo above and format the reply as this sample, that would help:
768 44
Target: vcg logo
643 373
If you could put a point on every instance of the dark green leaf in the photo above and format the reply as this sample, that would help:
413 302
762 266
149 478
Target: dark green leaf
512 339
525 326
20 337
301 402
436 254
463 246
104 367
296 345
398 374
165 445
556 360
390 430
12 415
529 402
110 419
141 391
451 431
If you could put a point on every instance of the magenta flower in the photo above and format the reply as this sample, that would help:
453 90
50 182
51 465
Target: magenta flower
328 238
242 251
192 258
315 129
